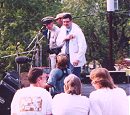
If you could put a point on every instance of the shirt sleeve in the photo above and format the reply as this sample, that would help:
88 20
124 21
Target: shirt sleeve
61 36
94 108
14 107
53 76
49 104
81 43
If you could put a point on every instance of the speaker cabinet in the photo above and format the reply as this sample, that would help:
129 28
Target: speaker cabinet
8 86
119 77
6 95
9 79
13 79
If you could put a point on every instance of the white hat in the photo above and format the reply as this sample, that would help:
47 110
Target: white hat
60 15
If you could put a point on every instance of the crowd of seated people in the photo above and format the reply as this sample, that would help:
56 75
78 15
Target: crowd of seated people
107 99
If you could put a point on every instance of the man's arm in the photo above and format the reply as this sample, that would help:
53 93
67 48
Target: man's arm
47 86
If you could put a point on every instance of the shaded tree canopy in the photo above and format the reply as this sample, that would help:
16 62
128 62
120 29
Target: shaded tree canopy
20 22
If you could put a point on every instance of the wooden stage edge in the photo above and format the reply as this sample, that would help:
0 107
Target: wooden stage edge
119 77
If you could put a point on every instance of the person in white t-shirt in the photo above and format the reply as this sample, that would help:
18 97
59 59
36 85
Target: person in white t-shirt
110 99
33 100
129 103
71 102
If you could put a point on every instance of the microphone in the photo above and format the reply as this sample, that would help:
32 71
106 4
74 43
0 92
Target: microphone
22 59
17 45
43 28
44 31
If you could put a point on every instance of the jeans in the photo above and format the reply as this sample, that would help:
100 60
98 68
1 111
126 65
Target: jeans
74 70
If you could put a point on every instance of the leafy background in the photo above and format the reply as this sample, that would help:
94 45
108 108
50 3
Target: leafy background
20 22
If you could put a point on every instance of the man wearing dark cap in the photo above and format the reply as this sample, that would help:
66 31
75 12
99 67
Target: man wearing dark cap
52 34
47 20
33 100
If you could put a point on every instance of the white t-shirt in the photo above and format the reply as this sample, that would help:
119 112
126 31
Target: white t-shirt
31 101
67 104
129 103
110 101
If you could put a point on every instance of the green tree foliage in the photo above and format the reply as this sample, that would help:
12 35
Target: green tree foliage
20 22
92 16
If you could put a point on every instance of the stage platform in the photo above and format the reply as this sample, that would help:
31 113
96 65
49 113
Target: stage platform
88 88
119 77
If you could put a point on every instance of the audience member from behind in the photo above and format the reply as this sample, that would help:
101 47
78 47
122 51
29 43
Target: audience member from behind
33 100
129 103
71 102
111 99
56 77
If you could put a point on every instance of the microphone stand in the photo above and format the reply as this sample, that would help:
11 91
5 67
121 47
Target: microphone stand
19 54
37 55
33 40
18 65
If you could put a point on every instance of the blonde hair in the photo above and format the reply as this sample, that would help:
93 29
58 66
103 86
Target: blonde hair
101 77
72 84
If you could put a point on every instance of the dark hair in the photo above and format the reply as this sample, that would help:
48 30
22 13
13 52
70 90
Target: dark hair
61 61
67 16
72 84
33 74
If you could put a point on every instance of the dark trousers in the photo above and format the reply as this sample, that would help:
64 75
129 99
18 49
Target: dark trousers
74 70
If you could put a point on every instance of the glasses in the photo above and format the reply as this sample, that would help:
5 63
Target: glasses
66 21
43 77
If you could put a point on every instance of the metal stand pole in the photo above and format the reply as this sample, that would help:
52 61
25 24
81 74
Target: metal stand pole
37 56
18 65
41 56
111 62
129 48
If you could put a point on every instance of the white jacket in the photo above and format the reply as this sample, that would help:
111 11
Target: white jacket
77 45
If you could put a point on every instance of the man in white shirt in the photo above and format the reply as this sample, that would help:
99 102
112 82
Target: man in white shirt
129 103
33 100
73 39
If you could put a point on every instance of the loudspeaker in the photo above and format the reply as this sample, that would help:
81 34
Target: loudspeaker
11 81
12 78
6 95
14 74
119 77
8 86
